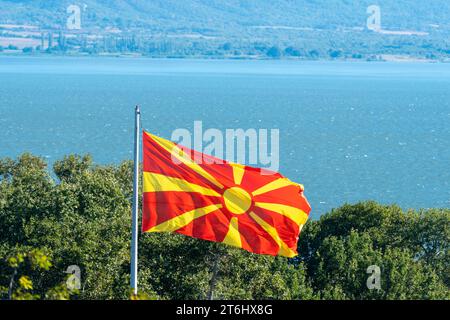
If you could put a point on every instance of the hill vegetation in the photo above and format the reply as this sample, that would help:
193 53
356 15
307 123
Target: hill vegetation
79 214
300 29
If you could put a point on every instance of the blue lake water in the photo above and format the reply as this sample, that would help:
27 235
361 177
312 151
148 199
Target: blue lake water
349 131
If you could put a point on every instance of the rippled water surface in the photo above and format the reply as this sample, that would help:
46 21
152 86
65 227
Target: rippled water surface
348 131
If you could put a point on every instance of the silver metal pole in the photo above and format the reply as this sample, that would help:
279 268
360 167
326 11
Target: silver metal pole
134 214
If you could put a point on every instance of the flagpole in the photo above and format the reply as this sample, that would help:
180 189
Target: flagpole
134 214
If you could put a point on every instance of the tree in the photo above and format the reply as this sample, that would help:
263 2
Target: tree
334 54
410 248
291 51
28 50
274 52
314 54
226 46
181 268
82 220
21 286
80 215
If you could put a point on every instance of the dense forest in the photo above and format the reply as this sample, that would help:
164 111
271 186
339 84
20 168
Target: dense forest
78 213
299 29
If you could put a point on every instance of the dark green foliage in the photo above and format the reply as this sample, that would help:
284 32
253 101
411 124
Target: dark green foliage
181 268
83 218
410 248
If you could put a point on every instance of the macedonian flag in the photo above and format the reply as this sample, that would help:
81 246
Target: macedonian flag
220 201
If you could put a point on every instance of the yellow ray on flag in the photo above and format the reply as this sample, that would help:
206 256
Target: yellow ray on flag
238 172
155 182
284 251
274 185
184 219
295 214
233 237
184 158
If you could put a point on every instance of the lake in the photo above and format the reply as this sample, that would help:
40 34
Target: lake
349 131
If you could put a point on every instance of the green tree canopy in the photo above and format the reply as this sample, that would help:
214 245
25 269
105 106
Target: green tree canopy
80 214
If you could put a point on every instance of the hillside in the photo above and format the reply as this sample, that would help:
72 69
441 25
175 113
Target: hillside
306 28
219 15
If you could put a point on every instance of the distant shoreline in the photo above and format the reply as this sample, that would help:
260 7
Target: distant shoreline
382 58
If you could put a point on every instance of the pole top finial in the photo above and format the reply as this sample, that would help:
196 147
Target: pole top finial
138 109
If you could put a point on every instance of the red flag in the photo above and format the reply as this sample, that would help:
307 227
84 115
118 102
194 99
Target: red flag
220 201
